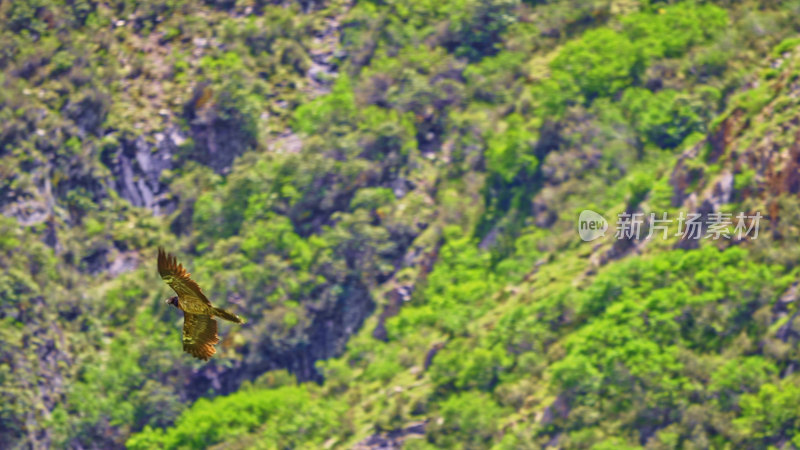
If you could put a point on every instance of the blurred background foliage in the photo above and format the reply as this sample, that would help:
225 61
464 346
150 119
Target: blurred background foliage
388 191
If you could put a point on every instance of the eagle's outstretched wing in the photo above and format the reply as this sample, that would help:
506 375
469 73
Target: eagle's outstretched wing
199 335
178 278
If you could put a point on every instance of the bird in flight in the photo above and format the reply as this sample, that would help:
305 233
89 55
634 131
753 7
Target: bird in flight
199 326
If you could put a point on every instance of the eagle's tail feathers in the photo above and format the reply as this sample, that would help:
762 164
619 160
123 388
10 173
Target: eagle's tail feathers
222 314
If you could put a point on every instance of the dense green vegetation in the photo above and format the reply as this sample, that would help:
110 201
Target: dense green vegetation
388 191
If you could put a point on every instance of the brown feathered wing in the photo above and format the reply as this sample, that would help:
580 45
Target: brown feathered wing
199 335
178 279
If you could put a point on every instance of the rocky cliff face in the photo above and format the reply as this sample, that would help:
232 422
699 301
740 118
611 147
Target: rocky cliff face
136 166
104 153
218 134
736 163
427 196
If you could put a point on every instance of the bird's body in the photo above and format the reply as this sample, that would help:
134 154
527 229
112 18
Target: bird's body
199 326
192 307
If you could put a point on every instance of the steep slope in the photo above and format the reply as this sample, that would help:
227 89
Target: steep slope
388 192
521 335
661 346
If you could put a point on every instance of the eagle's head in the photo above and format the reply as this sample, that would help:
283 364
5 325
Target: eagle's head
173 301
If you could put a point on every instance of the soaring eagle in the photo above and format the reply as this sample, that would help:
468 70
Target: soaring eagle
199 326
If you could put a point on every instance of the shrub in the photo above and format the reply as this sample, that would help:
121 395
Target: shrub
510 149
285 417
675 29
600 63
470 418
665 118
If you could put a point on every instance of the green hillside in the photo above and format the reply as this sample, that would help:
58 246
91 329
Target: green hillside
389 192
